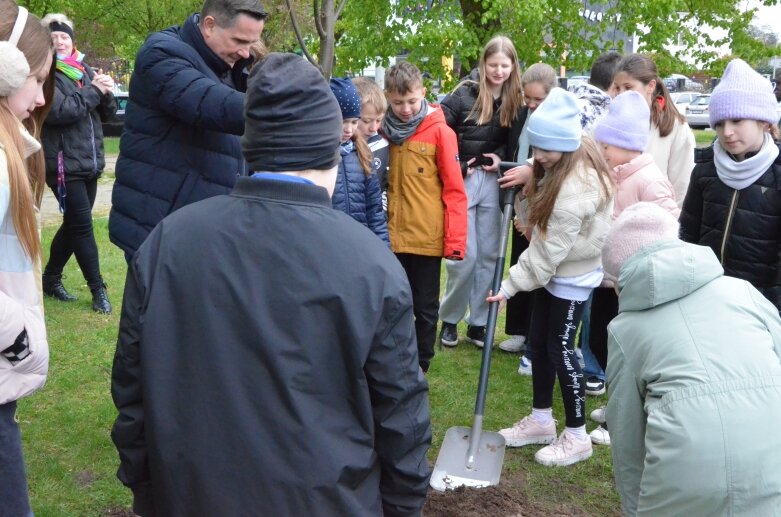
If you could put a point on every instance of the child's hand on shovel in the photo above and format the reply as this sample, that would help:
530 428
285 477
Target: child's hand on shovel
498 298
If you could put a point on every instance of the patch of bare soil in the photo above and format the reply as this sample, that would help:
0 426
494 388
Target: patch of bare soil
508 499
85 478
118 512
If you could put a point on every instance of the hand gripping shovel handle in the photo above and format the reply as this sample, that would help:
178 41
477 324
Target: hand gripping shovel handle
508 196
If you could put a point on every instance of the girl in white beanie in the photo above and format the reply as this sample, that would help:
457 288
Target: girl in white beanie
568 210
26 84
734 200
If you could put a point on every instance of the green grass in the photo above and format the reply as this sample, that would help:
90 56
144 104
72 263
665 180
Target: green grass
703 137
72 462
111 145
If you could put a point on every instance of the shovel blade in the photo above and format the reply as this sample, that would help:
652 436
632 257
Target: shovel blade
450 470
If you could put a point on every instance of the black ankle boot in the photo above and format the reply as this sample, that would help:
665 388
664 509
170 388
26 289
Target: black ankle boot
100 301
52 286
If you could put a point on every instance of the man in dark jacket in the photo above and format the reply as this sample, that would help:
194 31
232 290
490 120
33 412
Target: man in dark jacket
184 117
263 366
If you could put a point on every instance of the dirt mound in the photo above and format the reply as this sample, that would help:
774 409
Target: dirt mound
505 500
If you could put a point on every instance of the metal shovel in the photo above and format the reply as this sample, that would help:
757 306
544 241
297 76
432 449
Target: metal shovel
470 457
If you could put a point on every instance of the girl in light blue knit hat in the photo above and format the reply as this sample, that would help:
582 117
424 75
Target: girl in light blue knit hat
567 209
733 203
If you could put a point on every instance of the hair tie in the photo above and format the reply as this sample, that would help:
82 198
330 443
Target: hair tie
21 21
660 100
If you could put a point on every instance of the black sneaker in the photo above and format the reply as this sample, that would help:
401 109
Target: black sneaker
476 335
448 336
594 386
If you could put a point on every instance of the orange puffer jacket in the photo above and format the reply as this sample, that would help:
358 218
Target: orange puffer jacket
426 197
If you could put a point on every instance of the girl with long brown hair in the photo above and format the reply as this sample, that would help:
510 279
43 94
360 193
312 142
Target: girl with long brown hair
25 87
567 213
671 141
357 190
480 111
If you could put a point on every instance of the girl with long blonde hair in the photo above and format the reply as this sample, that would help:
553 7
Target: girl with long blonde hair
25 87
480 111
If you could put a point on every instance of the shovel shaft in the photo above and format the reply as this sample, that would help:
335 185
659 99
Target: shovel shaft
474 441
493 311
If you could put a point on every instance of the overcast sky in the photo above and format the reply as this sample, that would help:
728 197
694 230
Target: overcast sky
767 15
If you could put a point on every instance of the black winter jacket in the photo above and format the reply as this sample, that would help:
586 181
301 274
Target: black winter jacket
73 126
473 139
359 196
743 227
180 143
272 372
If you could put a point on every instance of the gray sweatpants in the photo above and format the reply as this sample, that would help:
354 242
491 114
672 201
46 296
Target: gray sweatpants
469 280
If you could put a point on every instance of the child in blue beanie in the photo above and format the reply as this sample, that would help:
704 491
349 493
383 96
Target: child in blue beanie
567 209
357 190
733 203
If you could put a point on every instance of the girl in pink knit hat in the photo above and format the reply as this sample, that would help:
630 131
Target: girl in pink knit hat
733 203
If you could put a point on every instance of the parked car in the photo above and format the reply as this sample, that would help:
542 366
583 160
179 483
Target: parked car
113 126
671 83
682 99
576 80
697 112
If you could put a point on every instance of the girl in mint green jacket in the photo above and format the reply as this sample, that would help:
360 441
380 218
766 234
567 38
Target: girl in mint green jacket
694 378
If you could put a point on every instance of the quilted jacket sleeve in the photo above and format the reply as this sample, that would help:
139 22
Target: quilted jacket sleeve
375 216
453 195
187 93
69 108
691 212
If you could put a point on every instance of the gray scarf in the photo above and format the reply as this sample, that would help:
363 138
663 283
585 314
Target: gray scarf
397 131
739 175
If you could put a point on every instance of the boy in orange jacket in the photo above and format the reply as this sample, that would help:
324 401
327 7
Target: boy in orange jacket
426 198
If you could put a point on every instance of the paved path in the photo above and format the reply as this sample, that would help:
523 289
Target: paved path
50 212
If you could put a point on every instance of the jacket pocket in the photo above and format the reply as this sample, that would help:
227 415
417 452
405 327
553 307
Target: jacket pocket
421 161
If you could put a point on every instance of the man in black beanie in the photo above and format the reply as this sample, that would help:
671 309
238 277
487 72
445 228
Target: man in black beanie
266 361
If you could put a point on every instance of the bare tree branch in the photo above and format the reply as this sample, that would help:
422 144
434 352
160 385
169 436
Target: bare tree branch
318 20
339 10
300 38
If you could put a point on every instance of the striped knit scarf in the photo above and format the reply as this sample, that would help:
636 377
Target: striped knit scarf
71 65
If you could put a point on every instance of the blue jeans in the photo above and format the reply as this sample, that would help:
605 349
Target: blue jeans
592 368
14 500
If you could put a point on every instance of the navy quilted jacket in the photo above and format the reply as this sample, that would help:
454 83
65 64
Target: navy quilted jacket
180 143
359 195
